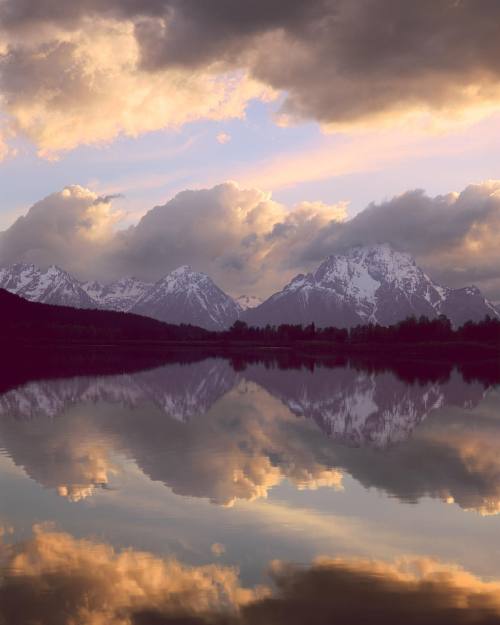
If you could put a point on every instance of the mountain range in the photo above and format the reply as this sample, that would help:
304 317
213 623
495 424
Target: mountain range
374 284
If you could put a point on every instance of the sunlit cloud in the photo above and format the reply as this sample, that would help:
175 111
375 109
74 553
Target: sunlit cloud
223 137
89 73
247 241
86 86
132 587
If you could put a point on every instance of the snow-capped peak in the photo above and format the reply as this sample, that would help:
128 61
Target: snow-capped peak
374 283
51 286
188 296
362 270
365 284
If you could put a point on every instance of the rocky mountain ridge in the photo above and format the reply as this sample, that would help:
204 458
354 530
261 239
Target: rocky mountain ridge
372 284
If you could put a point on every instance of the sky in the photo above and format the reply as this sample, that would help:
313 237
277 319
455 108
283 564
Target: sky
250 139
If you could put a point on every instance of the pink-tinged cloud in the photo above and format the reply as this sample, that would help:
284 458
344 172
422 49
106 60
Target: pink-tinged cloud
90 71
248 242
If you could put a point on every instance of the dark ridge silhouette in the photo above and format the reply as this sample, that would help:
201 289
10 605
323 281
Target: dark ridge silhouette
21 320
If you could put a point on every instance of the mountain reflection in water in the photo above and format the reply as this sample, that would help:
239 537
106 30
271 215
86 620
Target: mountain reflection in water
230 431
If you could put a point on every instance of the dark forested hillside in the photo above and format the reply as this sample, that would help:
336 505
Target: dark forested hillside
21 320
24 321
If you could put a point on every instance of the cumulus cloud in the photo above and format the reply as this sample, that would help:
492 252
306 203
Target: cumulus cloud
340 62
70 456
241 237
56 578
454 237
223 138
433 422
248 242
461 465
5 150
85 86
337 590
65 228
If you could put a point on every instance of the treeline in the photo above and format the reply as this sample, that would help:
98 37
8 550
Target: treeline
31 322
411 330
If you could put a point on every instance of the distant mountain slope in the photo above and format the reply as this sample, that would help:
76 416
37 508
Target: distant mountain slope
187 296
182 296
373 284
50 286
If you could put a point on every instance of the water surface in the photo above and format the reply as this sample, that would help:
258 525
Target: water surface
204 489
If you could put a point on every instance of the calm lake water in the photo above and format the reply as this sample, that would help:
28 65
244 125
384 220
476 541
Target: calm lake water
223 492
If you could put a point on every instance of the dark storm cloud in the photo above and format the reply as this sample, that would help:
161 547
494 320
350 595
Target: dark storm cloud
339 61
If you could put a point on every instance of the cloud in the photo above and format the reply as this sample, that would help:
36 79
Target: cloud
249 242
73 228
65 228
70 455
223 138
55 578
86 86
101 585
240 237
218 550
455 237
5 150
87 72
461 469
338 590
